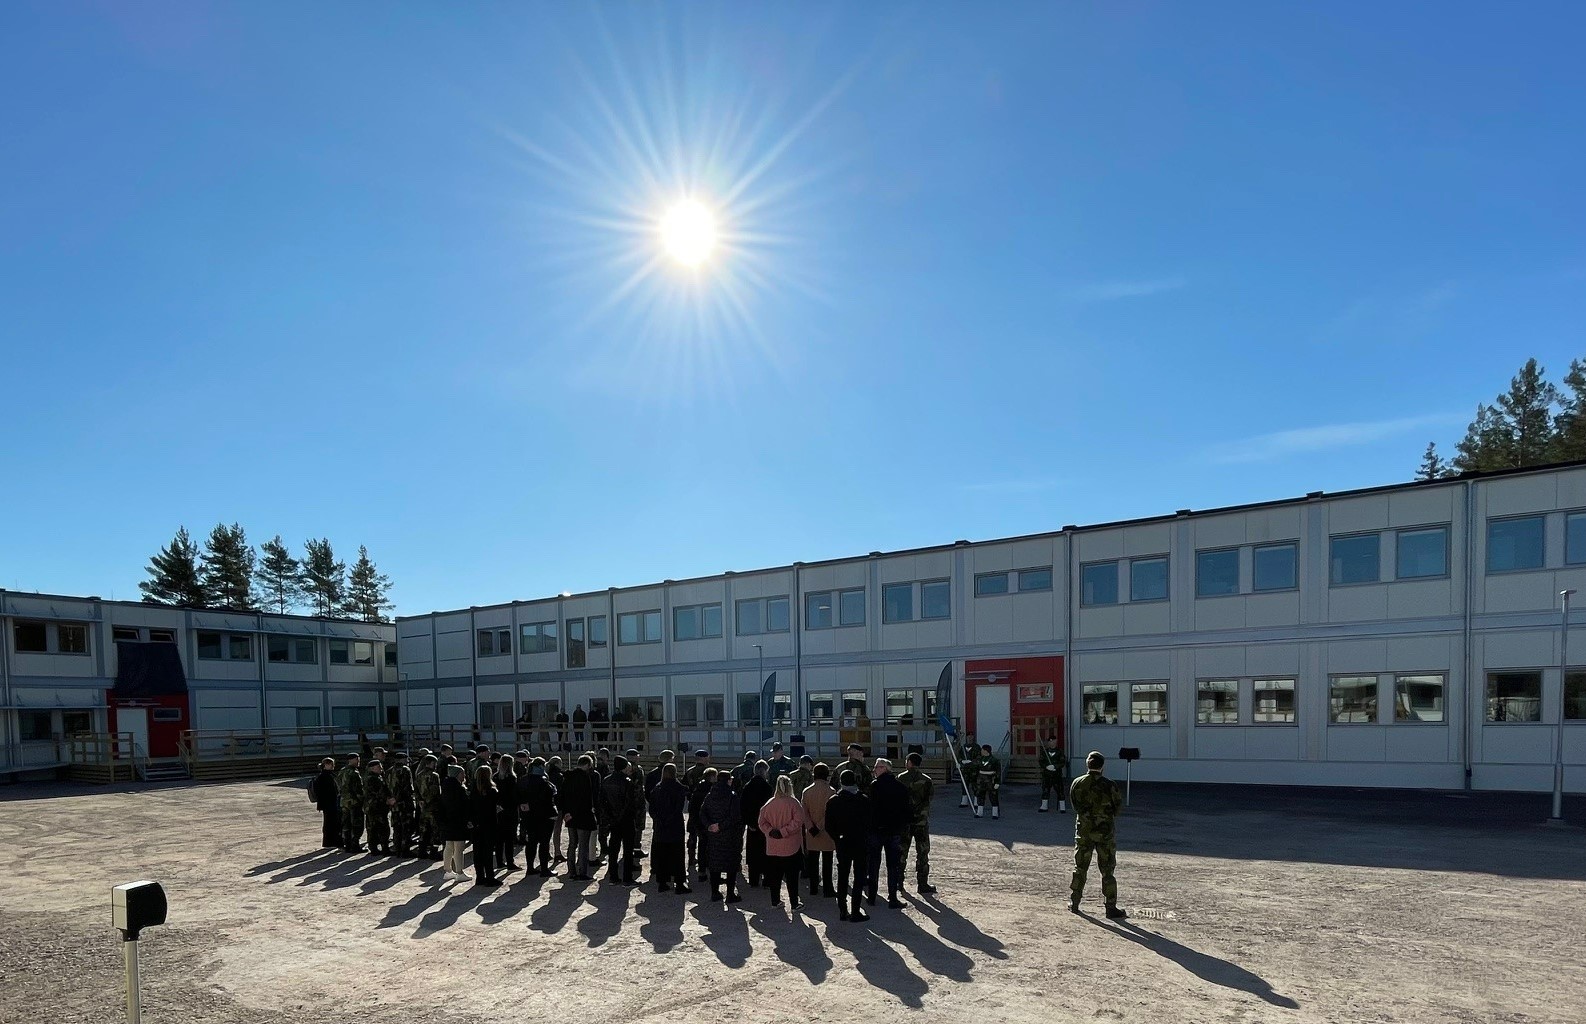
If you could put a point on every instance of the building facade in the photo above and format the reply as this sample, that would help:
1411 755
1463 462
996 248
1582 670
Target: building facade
73 665
1398 636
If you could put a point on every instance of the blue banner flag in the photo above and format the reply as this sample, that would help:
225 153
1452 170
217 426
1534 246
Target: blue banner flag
767 706
944 701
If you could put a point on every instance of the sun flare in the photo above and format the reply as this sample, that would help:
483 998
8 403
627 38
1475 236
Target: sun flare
688 232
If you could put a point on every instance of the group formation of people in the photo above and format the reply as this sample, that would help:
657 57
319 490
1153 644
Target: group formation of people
773 821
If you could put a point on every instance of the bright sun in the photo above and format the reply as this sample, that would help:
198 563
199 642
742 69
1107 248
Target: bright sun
688 231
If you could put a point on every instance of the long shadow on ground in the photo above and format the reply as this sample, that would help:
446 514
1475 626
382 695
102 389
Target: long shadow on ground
1202 965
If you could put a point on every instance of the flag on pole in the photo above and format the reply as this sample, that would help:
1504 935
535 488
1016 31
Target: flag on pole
944 700
767 706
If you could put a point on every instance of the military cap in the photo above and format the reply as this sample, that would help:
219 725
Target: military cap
425 751
429 759
806 759
352 756
701 753
633 751
619 762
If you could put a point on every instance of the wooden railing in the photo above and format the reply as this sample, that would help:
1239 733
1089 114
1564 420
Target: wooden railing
103 757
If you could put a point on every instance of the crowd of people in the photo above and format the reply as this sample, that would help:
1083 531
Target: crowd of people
776 822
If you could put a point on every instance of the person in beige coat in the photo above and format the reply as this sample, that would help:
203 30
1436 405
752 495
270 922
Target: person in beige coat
818 844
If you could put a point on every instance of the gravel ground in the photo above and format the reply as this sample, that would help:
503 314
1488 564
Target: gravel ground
1250 905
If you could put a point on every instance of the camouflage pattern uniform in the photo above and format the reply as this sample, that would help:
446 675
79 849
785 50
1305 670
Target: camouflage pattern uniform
863 773
377 811
428 789
921 788
402 813
802 776
987 781
1096 802
349 788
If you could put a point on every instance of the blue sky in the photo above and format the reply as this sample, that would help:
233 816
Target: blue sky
389 274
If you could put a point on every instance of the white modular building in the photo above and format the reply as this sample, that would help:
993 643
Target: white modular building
1404 636
74 665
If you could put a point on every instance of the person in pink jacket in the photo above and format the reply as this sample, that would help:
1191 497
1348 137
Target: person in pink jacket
782 822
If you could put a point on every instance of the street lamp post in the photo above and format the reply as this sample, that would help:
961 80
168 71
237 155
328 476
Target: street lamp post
1563 685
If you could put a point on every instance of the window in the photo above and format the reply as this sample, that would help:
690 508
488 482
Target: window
696 622
597 631
537 638
855 703
493 643
166 715
338 656
1217 573
1514 696
1418 698
1035 579
31 637
1515 544
851 607
128 633
639 627
71 638
1352 700
1275 567
756 615
35 725
225 646
897 602
818 611
306 718
1098 583
936 600
782 708
900 704
1148 703
575 643
715 710
1100 703
352 718
991 583
1575 538
74 722
1148 579
748 710
821 708
686 710
495 714
162 636
1274 702
1575 696
1423 552
292 650
1217 702
390 655
1355 559
363 650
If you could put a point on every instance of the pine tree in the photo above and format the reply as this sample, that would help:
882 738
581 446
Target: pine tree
1569 426
1527 412
367 590
1432 465
1485 445
280 576
324 578
227 567
174 575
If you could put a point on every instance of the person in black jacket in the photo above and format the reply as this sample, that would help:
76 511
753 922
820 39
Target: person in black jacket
848 819
667 800
576 801
722 828
322 791
483 806
553 775
755 793
616 814
698 787
537 805
506 813
892 812
453 825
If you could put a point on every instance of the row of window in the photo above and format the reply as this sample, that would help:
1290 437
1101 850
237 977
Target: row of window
35 637
704 710
288 650
542 638
1511 696
992 584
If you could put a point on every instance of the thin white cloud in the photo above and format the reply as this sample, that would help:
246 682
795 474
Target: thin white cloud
1285 444
1111 291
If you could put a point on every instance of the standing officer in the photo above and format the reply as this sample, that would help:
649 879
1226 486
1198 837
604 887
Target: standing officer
1096 803
968 754
402 812
921 789
856 764
377 803
1054 768
988 781
803 775
744 772
692 778
427 787
323 792
641 793
349 789
780 764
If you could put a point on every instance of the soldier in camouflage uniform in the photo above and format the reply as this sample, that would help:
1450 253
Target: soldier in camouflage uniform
349 789
921 789
780 764
987 776
1054 772
968 754
863 774
427 787
402 812
803 775
1096 803
377 802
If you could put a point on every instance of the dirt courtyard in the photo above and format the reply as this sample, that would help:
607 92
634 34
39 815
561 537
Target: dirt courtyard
1249 905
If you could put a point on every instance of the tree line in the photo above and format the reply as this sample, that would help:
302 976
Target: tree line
228 573
1533 423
